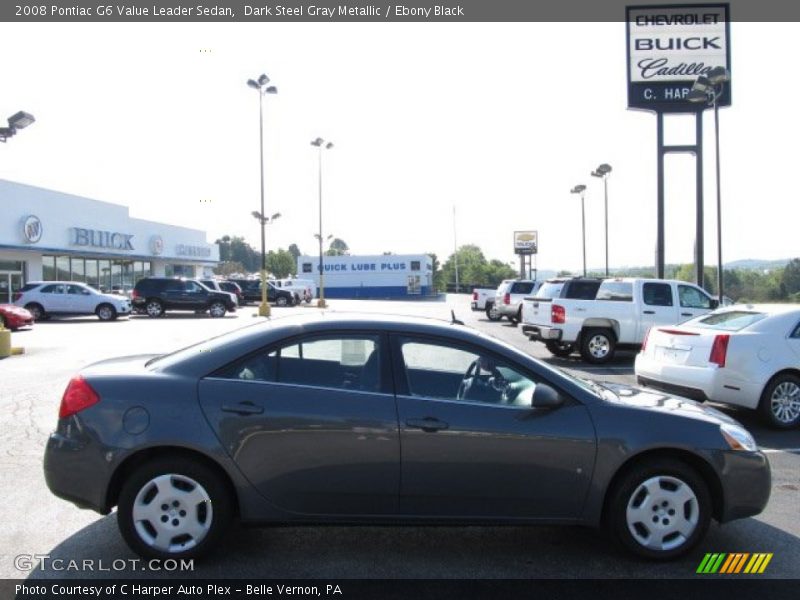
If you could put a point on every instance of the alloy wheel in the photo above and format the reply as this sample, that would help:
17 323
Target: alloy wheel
785 402
172 513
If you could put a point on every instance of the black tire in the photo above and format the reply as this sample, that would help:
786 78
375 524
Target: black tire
491 312
153 308
652 502
780 402
560 349
217 310
597 345
281 301
177 476
106 312
36 310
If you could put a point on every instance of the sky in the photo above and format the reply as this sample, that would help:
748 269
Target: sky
499 120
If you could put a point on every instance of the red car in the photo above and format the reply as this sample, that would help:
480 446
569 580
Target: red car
14 317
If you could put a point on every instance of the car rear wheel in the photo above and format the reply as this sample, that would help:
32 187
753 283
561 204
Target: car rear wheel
36 310
154 308
106 312
598 346
659 510
217 310
173 508
780 402
491 312
560 349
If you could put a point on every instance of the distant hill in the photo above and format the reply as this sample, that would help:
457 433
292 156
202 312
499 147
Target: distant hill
756 264
745 264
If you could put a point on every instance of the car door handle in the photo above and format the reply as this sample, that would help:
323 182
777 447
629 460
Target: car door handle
243 408
428 424
687 314
649 312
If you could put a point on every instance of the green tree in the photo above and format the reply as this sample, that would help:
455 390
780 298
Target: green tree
228 268
791 276
338 247
281 263
237 250
294 250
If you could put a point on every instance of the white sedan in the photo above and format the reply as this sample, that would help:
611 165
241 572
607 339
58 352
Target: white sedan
747 355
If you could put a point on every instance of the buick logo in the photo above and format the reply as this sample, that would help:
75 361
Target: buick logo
32 229
156 244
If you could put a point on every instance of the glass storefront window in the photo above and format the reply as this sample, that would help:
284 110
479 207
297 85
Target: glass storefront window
105 274
48 268
62 268
10 265
92 276
78 272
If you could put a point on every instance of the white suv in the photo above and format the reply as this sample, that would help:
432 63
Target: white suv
45 298
508 298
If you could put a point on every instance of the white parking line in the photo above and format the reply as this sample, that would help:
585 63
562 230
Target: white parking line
776 450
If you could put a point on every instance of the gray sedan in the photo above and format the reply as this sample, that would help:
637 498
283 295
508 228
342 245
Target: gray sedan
334 418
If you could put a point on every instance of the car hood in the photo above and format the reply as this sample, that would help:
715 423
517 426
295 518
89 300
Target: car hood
652 400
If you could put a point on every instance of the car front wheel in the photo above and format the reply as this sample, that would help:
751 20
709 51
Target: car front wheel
106 312
173 508
281 301
659 510
780 402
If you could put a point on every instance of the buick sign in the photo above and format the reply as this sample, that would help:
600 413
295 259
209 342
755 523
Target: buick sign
32 229
669 47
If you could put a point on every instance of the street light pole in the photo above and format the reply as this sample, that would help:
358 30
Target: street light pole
261 86
708 89
581 189
604 171
320 144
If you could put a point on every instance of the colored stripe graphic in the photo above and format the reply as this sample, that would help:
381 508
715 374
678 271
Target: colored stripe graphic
733 563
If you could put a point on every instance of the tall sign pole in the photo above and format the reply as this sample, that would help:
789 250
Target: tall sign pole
669 47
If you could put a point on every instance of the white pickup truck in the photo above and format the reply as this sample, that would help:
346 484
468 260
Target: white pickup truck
480 296
304 290
619 316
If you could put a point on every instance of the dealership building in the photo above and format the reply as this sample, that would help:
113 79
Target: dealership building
378 276
52 236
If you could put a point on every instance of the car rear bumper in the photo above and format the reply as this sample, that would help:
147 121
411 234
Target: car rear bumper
75 471
697 383
541 333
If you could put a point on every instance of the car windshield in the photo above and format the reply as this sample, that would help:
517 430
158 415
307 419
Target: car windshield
732 320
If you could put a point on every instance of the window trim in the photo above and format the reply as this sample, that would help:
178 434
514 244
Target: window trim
386 379
401 378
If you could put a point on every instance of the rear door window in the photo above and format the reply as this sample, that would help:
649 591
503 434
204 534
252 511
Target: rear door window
657 294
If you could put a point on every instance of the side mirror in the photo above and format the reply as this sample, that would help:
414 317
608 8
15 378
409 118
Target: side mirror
714 303
546 397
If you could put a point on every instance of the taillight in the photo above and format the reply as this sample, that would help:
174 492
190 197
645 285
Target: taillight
475 296
78 396
558 314
507 298
135 293
644 342
719 349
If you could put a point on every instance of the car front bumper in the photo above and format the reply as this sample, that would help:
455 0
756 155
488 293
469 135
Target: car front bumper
746 483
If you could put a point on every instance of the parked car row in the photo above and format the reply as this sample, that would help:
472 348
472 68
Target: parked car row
744 355
152 296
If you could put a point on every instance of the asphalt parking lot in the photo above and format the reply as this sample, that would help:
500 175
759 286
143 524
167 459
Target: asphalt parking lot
37 523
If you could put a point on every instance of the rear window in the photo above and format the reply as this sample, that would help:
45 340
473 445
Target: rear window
581 290
522 288
733 320
29 286
619 291
550 290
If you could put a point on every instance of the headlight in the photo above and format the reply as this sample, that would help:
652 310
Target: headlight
738 438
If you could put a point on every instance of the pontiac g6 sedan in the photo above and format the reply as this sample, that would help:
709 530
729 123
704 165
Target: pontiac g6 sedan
376 419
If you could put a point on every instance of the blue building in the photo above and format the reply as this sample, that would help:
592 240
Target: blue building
379 276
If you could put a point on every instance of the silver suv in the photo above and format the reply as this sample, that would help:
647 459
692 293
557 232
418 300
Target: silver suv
45 298
508 298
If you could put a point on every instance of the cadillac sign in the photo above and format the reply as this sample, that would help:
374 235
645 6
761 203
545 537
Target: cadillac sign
669 46
526 242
